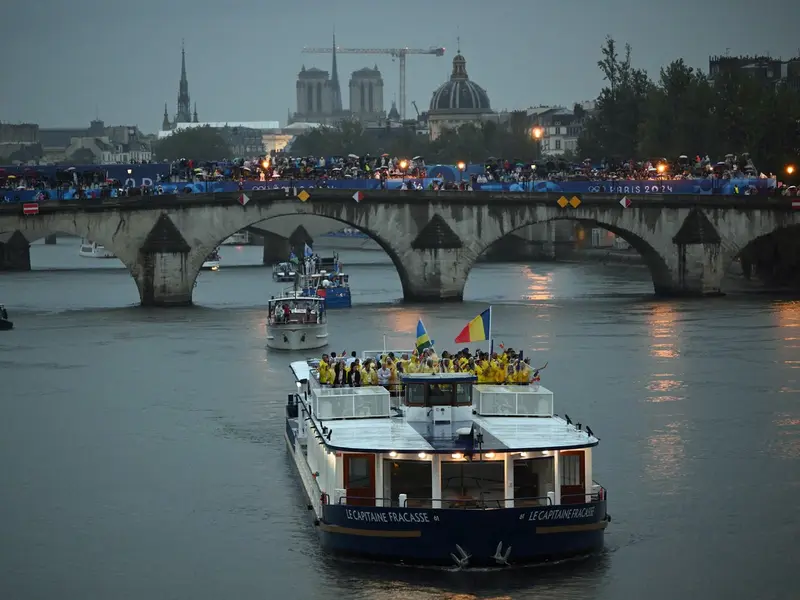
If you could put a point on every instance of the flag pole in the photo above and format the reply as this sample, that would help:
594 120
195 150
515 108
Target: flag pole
491 340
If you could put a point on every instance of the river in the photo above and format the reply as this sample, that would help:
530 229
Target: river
142 451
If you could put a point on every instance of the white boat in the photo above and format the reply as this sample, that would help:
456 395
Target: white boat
284 271
451 473
211 263
237 239
91 249
296 322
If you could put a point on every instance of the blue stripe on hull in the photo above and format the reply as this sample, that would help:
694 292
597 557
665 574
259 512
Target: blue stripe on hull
531 536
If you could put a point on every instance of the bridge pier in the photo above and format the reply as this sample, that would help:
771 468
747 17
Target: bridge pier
298 240
276 248
15 253
435 275
701 261
50 240
166 267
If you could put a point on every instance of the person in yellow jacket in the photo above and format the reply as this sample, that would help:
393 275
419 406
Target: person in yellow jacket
369 376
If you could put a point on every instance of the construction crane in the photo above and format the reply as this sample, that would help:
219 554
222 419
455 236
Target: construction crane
400 53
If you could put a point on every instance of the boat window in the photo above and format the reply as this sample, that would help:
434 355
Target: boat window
440 394
463 394
415 394
358 472
570 467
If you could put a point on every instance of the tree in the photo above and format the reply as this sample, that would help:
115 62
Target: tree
612 132
679 115
197 143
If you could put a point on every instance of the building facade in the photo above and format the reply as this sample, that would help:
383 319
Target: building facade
768 70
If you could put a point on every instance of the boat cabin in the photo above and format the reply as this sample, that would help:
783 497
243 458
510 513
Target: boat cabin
447 442
293 309
334 280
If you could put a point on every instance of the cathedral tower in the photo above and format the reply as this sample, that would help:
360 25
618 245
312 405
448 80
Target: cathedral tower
184 114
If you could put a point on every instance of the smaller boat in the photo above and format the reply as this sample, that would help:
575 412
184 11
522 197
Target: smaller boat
211 263
284 271
296 322
90 249
333 287
5 324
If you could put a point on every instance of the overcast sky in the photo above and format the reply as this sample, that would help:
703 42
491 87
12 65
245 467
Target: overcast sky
67 61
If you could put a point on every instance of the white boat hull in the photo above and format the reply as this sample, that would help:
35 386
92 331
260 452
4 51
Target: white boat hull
210 265
297 336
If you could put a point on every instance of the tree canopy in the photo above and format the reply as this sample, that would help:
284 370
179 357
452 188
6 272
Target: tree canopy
197 143
685 113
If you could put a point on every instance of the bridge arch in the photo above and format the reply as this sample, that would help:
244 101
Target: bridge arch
773 256
660 271
225 227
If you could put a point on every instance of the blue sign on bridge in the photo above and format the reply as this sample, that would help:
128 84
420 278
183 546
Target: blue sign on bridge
151 174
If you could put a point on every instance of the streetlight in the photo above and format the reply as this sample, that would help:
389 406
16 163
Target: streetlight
461 166
790 169
537 132
403 167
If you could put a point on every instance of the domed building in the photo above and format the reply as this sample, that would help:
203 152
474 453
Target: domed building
458 101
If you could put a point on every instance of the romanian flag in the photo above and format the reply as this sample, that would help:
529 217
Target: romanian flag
477 330
423 339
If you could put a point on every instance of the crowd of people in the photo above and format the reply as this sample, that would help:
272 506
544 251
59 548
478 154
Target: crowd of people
279 166
504 367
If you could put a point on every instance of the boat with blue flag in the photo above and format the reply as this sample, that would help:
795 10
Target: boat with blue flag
326 279
448 472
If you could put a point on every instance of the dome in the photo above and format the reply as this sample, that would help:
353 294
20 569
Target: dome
460 94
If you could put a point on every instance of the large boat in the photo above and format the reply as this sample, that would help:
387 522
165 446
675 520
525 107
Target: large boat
90 249
450 473
334 287
211 263
5 324
296 322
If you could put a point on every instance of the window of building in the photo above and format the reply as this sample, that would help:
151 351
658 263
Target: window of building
558 144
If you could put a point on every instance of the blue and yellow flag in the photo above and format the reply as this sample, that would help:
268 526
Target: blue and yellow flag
423 339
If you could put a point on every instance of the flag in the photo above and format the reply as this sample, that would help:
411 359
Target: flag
625 202
243 199
358 196
477 330
307 251
423 339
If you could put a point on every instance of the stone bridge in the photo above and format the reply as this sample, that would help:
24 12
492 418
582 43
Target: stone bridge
433 238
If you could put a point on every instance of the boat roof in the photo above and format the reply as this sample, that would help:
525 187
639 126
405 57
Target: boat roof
500 433
295 296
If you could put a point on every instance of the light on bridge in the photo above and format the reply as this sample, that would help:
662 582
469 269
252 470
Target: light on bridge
790 170
661 168
537 132
403 164
461 165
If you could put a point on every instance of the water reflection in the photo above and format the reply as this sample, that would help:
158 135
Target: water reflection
667 453
661 321
788 316
787 436
540 285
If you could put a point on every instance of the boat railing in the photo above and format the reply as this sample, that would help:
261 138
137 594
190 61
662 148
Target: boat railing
452 503
597 494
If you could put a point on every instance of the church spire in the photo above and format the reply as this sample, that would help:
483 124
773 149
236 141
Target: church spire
165 126
336 90
184 112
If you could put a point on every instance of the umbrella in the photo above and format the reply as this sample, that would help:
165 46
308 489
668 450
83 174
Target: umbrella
70 169
384 154
352 156
12 176
198 169
417 158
